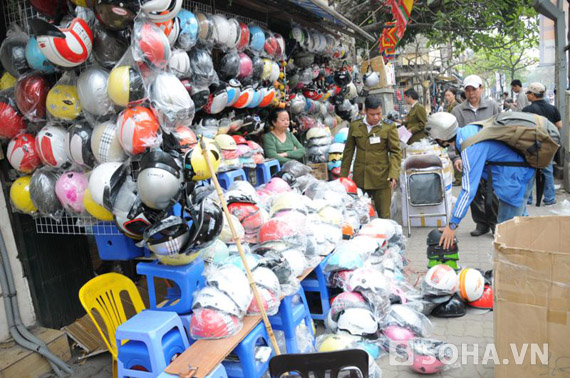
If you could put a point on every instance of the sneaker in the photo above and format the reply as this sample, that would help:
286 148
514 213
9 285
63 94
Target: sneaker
553 202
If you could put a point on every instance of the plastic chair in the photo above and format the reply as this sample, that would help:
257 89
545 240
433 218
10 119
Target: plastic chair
103 293
248 366
425 186
228 177
289 317
266 170
319 364
316 282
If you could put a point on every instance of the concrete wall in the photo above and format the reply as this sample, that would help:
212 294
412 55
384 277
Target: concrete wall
22 288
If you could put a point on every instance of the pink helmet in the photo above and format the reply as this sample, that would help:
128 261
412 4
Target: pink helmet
277 185
69 189
427 355
243 150
269 300
245 66
346 300
397 333
213 324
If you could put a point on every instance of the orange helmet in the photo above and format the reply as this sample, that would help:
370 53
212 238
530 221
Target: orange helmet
138 129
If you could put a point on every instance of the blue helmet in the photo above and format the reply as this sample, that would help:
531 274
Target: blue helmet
334 164
344 258
36 59
257 97
341 135
234 90
189 29
256 38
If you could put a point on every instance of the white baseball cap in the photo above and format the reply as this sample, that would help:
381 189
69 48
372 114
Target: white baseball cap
536 88
472 81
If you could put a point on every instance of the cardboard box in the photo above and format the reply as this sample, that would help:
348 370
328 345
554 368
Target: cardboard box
377 65
320 171
532 296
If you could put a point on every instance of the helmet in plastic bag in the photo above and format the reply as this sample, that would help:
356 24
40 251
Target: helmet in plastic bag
330 324
151 45
70 189
36 59
429 356
218 100
407 317
221 32
7 81
125 86
346 300
92 91
278 185
234 91
95 210
78 144
207 224
179 63
100 178
379 230
212 298
195 165
278 264
343 259
245 66
116 14
486 300
216 253
369 280
244 35
269 301
232 281
213 324
108 47
296 260
160 180
42 192
171 28
226 235
66 47
105 143
22 153
256 38
471 284
20 195
249 216
13 54
358 322
167 236
170 102
453 308
331 343
370 79
161 10
225 142
138 130
188 29
398 334
62 102
440 280
264 277
229 66
50 144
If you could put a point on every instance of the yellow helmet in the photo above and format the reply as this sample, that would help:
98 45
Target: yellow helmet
62 102
331 215
125 86
20 195
195 166
287 201
179 258
331 343
267 69
7 81
96 211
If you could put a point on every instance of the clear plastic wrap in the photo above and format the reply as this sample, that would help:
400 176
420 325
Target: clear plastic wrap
149 44
108 46
42 192
126 86
70 188
440 280
36 59
138 130
287 202
30 95
250 218
226 234
170 102
179 64
235 258
343 258
284 228
346 300
232 281
202 73
20 197
92 91
13 51
22 153
322 238
208 324
406 317
429 356
105 144
216 253
189 29
214 299
50 144
274 260
62 101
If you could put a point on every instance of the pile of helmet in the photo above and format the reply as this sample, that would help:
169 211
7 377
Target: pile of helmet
318 141
336 150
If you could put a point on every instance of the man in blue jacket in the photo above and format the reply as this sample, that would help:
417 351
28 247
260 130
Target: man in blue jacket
512 184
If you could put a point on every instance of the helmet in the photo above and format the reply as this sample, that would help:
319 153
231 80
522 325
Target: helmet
22 153
218 100
234 89
268 97
216 253
213 324
331 215
245 66
269 301
399 334
92 91
78 144
343 259
13 54
205 27
258 66
371 78
161 10
358 322
126 86
160 179
277 185
245 98
7 81
471 284
69 189
453 308
101 178
440 280
206 226
201 68
486 300
42 192
226 234
188 29
232 281
229 66
65 47
170 28
108 47
250 218
116 14
200 97
256 38
243 41
349 185
264 277
50 143
428 355
132 218
277 229
105 143
195 164
378 230
298 104
368 280
346 300
179 63
405 316
36 59
170 102
221 33
442 126
368 245
212 298
288 201
225 142
270 46
62 102
150 45
331 343
20 195
95 210
342 78
296 260
185 138
138 130
167 236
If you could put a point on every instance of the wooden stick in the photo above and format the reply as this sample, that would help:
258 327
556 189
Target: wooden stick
240 249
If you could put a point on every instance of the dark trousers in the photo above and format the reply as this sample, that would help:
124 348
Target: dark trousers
482 217
381 199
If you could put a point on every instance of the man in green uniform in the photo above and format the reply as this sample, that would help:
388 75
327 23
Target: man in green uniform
417 117
378 156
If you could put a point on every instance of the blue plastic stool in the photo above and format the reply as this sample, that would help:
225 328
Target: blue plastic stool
155 337
290 315
186 318
117 247
228 177
248 366
316 282
266 170
188 278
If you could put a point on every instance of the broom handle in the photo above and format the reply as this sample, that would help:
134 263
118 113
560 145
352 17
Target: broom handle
240 249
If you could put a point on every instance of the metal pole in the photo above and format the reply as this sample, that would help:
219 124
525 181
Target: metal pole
556 13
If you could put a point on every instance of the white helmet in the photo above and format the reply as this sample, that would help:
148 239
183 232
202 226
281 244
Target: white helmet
161 10
233 282
50 143
358 322
442 126
336 148
234 33
352 91
266 278
100 179
368 280
371 78
221 30
440 280
226 234
215 253
296 260
179 63
406 317
170 102
471 284
210 297
160 179
330 324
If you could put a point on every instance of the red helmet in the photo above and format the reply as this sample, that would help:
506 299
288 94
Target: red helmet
239 139
248 214
349 185
243 37
22 153
277 185
207 323
186 138
151 45
31 93
270 45
11 122
276 229
486 300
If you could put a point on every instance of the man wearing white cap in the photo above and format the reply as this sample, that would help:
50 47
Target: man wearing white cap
476 108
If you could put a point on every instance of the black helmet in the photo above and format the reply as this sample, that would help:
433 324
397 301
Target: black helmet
108 46
342 78
167 236
202 72
228 68
257 69
435 250
276 262
453 308
13 54
207 223
116 14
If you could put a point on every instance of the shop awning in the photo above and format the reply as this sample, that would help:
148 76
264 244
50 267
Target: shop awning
323 11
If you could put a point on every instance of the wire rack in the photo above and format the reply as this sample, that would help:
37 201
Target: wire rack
245 20
19 12
196 7
69 225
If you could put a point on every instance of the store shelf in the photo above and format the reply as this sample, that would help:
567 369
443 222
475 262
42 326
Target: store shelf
69 225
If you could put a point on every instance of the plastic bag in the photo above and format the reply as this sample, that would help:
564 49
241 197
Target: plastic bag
62 101
13 51
138 129
179 64
69 189
30 96
126 86
108 46
407 317
189 29
11 121
429 356
233 282
208 324
42 193
202 73
149 44
92 92
170 102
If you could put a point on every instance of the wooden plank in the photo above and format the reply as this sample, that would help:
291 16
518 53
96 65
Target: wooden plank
87 337
205 355
16 361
